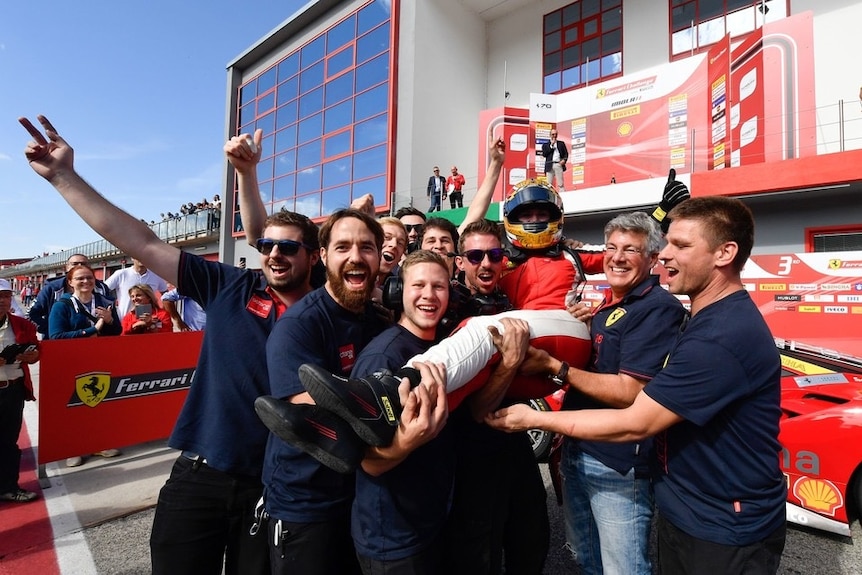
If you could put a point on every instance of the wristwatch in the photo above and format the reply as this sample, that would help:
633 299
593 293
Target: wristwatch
560 377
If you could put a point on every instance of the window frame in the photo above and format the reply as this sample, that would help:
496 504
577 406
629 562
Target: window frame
564 32
731 11
811 235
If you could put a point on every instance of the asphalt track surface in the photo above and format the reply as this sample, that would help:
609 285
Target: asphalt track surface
96 519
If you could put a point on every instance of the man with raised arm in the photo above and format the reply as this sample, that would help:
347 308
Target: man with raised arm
206 509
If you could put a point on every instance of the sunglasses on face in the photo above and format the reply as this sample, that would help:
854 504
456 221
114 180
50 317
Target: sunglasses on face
495 255
414 228
285 247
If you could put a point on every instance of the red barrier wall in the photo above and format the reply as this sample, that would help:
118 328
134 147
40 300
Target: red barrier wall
104 392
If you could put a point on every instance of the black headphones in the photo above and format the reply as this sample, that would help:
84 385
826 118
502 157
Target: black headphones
462 303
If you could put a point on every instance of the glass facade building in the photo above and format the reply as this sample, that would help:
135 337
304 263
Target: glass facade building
324 109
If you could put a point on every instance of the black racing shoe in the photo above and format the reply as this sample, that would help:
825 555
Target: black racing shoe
370 404
314 430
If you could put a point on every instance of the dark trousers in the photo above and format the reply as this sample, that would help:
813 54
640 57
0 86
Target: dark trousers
202 523
11 416
456 200
499 512
312 548
426 562
679 553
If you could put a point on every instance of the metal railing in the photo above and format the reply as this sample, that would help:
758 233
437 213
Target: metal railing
199 225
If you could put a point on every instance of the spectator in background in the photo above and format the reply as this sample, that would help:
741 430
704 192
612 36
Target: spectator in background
54 289
18 388
143 319
190 317
123 280
83 313
454 187
26 294
436 189
556 154
216 203
414 221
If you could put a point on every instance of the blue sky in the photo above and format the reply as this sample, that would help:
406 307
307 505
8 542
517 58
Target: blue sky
137 89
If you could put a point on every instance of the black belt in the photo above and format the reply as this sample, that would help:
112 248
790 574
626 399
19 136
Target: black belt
198 459
4 383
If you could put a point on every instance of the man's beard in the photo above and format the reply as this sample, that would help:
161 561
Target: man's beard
352 300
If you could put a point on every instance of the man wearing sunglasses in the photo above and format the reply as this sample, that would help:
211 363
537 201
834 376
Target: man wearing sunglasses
206 509
414 221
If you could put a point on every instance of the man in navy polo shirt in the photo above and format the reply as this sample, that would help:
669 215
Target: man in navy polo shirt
714 408
308 503
403 491
607 496
206 508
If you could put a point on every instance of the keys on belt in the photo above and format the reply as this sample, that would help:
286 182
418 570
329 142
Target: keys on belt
197 459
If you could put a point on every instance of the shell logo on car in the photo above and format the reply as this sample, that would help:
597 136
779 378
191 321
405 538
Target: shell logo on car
819 495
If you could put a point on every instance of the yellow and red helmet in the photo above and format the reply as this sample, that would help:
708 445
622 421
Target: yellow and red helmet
528 196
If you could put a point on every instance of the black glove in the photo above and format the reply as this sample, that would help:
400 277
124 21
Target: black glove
674 193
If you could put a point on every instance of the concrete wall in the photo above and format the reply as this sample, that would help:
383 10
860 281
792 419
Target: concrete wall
836 24
441 88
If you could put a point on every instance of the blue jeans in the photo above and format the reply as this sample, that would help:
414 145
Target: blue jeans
607 515
435 202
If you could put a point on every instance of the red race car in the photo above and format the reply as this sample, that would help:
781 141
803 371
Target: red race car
821 435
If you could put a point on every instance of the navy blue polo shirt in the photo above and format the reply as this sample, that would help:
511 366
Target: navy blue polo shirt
717 474
401 512
632 336
319 331
218 420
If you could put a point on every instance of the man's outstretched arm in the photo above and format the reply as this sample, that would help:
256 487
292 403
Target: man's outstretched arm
479 206
644 418
53 159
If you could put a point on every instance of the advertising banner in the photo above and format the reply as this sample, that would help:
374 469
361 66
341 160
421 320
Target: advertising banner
107 392
735 105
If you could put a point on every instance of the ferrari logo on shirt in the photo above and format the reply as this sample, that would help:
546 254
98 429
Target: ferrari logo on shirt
615 315
93 387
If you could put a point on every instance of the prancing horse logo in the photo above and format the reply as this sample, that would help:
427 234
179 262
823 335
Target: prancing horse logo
93 387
